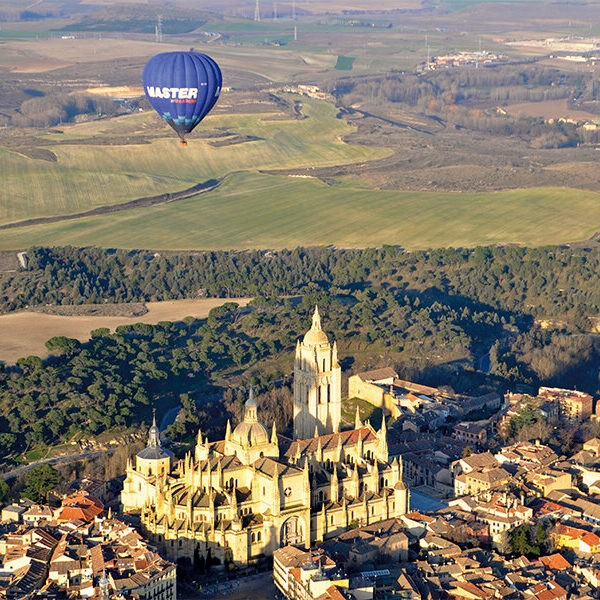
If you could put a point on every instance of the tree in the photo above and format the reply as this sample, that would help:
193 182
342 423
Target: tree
63 344
4 490
521 542
39 481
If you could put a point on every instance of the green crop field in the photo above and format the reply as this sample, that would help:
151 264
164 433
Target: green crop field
86 175
344 63
252 210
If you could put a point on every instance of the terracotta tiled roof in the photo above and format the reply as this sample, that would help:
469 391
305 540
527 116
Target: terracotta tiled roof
556 562
79 506
347 438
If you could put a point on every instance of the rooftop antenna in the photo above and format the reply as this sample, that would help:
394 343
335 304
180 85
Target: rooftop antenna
427 47
257 11
295 33
158 29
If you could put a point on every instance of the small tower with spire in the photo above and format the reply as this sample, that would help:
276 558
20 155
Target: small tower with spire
317 384
151 464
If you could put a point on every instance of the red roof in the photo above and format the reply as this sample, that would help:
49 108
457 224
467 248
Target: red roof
556 562
79 505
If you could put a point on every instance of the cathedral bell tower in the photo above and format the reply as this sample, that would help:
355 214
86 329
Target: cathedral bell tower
317 384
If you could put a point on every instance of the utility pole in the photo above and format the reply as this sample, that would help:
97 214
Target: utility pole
158 29
257 11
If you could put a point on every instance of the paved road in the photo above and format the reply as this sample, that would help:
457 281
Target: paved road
169 418
54 461
255 587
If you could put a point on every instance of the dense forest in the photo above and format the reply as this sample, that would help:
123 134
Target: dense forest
431 314
550 282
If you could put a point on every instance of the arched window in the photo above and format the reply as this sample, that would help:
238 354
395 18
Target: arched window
253 538
262 454
321 496
258 536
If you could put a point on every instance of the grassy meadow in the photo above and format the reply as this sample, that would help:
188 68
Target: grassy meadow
253 210
87 175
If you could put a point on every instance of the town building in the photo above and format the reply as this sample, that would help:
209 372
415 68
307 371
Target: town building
575 406
103 558
239 499
474 434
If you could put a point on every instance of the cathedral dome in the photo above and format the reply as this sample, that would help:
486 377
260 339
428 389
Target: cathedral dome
315 335
250 432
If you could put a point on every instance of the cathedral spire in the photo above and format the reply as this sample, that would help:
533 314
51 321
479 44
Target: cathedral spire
382 446
274 434
228 431
357 422
334 485
153 433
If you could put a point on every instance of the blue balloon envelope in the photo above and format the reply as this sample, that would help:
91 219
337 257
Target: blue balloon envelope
182 87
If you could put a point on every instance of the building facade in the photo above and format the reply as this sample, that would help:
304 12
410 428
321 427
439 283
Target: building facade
241 498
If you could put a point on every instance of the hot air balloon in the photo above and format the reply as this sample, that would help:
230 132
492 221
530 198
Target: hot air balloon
182 87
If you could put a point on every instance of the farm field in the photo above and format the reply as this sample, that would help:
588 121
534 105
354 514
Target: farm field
549 109
252 210
41 327
86 175
267 63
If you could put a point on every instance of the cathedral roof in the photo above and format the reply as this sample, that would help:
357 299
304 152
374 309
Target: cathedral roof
315 335
227 463
267 466
331 440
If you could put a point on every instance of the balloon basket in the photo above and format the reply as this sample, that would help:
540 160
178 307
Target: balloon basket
183 143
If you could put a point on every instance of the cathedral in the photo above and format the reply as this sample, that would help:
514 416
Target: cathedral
241 498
